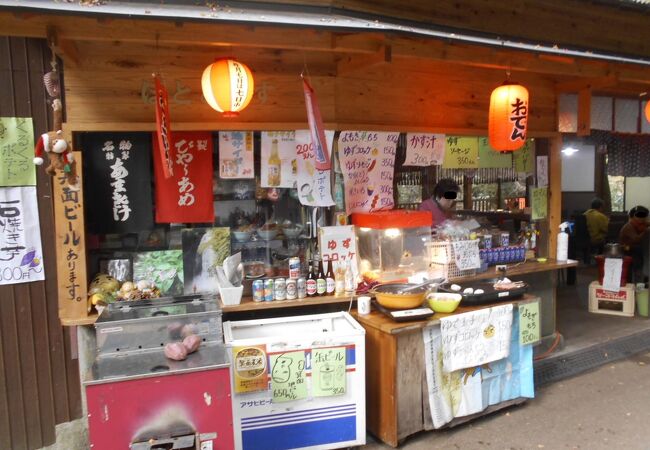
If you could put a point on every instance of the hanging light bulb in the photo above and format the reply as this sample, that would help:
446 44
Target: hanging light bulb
508 117
227 86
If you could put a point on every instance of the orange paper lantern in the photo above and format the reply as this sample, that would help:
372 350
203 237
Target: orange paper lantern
508 120
647 110
227 86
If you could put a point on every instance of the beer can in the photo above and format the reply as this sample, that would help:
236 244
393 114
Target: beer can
301 287
294 268
292 289
280 289
258 291
268 290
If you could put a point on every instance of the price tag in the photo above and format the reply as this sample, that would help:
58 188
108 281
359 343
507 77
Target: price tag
529 323
466 254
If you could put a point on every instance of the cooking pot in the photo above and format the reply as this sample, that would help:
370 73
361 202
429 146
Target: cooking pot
613 250
390 295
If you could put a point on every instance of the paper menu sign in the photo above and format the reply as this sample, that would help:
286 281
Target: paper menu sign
288 379
424 149
612 276
250 369
328 371
339 243
236 155
466 254
539 203
525 157
529 323
367 160
278 152
542 171
314 185
488 158
475 338
17 152
461 153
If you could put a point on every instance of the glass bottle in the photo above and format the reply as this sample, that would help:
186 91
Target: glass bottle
330 281
274 165
311 281
321 283
350 285
339 282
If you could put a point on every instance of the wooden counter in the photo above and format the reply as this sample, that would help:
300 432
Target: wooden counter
519 269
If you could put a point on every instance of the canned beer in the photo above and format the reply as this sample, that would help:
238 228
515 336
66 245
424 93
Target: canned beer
292 289
258 291
280 289
294 268
301 287
268 290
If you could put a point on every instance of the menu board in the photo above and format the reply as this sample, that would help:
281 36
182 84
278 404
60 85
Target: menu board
314 188
367 161
17 152
525 157
339 244
236 154
466 254
424 149
529 323
461 153
539 203
328 371
488 158
288 377
278 159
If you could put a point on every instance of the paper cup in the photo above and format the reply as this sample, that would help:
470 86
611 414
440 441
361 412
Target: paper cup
363 305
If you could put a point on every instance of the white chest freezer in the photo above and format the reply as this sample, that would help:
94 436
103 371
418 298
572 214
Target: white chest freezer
298 382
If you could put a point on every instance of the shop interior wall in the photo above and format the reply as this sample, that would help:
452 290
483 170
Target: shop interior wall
39 381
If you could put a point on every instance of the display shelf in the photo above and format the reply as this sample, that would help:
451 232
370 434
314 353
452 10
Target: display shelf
247 303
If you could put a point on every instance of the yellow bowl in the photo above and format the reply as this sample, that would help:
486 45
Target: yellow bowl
388 298
444 302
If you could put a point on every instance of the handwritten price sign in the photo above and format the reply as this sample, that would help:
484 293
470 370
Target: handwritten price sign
525 157
461 153
424 149
529 328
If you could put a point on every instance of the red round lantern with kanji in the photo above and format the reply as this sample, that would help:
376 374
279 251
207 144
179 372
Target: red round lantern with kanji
227 86
508 119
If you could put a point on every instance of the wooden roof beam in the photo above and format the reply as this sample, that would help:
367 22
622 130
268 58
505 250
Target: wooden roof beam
64 48
590 84
354 63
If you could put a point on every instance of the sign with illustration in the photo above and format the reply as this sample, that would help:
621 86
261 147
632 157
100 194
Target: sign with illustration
488 158
314 185
250 369
367 161
278 159
461 153
17 152
236 155
21 256
328 371
529 323
186 197
288 377
164 269
524 158
424 149
204 249
117 173
476 337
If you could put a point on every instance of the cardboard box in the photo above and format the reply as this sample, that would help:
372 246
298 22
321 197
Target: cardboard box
619 303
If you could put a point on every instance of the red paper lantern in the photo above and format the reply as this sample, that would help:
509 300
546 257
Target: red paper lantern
227 86
647 110
508 120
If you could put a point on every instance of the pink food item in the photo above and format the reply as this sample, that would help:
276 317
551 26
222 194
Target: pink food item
188 330
175 351
192 343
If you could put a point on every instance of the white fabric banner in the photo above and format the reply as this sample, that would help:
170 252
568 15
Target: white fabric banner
476 337
21 257
314 188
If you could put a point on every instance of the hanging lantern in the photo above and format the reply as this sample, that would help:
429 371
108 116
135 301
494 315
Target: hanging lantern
227 86
647 110
508 120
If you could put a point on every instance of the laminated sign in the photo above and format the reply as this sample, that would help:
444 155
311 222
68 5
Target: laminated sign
236 155
117 168
186 197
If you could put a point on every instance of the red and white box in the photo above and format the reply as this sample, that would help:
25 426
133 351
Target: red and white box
619 303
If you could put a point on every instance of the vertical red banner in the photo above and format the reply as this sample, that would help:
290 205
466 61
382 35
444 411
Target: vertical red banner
163 127
316 128
186 197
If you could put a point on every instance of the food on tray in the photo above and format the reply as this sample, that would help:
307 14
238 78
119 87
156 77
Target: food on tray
188 330
506 284
192 343
479 292
468 290
175 351
269 226
143 290
455 287
254 269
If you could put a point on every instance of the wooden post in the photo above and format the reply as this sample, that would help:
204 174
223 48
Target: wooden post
584 112
555 193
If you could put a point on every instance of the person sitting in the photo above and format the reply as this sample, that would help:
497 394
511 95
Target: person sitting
633 235
597 224
443 202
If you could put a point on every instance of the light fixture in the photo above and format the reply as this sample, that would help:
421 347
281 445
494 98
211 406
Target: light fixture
508 117
227 86
569 150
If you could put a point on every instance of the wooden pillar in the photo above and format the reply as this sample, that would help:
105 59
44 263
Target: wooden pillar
555 193
584 112
467 193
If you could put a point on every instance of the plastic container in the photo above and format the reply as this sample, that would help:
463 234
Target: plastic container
619 303
600 259
563 244
641 295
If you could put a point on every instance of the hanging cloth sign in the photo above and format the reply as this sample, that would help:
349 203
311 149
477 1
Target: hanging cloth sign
424 149
187 196
367 161
316 127
117 176
163 126
21 257
278 159
236 155
17 152
313 185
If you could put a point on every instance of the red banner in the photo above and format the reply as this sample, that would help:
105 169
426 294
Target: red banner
316 128
163 128
186 197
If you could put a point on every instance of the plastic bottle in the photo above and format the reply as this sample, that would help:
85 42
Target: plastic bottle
562 243
350 285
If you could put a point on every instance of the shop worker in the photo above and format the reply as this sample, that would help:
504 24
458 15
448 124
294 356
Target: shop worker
634 234
597 223
443 202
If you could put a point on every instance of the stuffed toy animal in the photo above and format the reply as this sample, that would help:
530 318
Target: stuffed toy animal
57 150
